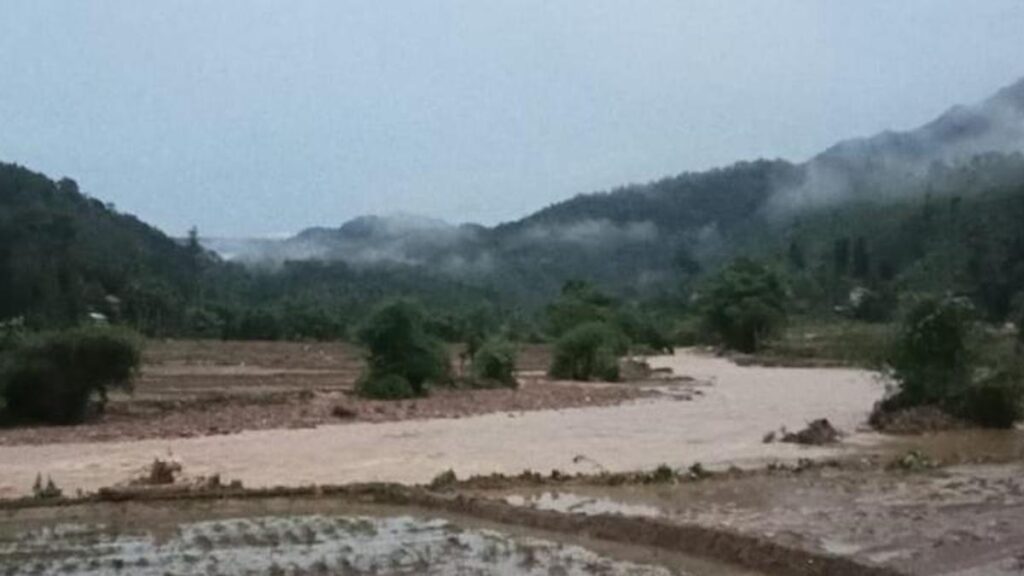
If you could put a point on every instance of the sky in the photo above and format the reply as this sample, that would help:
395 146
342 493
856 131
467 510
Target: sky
253 117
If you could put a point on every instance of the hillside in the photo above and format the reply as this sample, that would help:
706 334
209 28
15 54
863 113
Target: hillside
644 239
63 253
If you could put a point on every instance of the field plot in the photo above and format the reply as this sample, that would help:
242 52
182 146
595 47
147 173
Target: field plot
202 388
297 537
960 520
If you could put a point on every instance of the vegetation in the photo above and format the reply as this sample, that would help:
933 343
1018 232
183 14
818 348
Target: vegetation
723 256
935 363
495 361
589 351
403 358
54 377
932 359
744 304
386 387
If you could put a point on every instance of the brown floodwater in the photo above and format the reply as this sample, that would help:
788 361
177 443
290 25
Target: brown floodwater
720 424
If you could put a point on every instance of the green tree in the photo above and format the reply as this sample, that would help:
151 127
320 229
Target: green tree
399 345
53 377
744 304
495 361
932 358
578 303
590 350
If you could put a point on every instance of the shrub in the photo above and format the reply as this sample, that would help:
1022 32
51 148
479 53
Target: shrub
996 402
931 360
495 361
744 304
385 387
644 331
52 377
590 350
398 345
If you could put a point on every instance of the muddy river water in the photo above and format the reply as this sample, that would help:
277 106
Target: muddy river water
722 425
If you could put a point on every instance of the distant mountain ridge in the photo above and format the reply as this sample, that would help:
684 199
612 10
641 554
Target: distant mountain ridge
644 232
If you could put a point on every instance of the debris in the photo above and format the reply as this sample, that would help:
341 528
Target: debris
45 492
343 412
444 480
912 461
817 433
159 473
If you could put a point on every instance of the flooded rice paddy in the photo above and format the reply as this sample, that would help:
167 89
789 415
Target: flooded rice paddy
963 520
303 538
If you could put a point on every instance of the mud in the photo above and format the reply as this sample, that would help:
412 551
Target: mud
719 427
957 520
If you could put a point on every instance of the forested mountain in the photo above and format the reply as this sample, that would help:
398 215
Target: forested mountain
644 239
937 208
62 254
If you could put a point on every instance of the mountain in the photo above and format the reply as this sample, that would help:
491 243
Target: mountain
645 237
936 207
63 254
891 162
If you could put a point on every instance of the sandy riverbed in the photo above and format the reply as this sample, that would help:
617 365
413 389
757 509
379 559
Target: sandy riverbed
723 426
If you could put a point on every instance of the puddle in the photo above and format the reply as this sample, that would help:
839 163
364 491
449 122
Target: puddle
570 503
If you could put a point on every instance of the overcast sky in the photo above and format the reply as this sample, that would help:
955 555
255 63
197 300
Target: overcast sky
250 117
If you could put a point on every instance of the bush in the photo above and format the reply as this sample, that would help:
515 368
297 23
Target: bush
495 361
52 377
932 360
744 304
385 387
399 345
643 330
996 402
590 350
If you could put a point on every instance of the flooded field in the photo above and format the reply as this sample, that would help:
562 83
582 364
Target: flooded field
959 520
964 518
305 537
719 419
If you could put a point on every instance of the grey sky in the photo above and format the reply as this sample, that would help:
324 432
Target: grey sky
252 117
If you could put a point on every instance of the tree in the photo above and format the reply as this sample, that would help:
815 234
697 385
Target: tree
590 350
796 256
495 361
934 364
399 346
53 377
579 303
841 256
932 359
861 259
744 304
